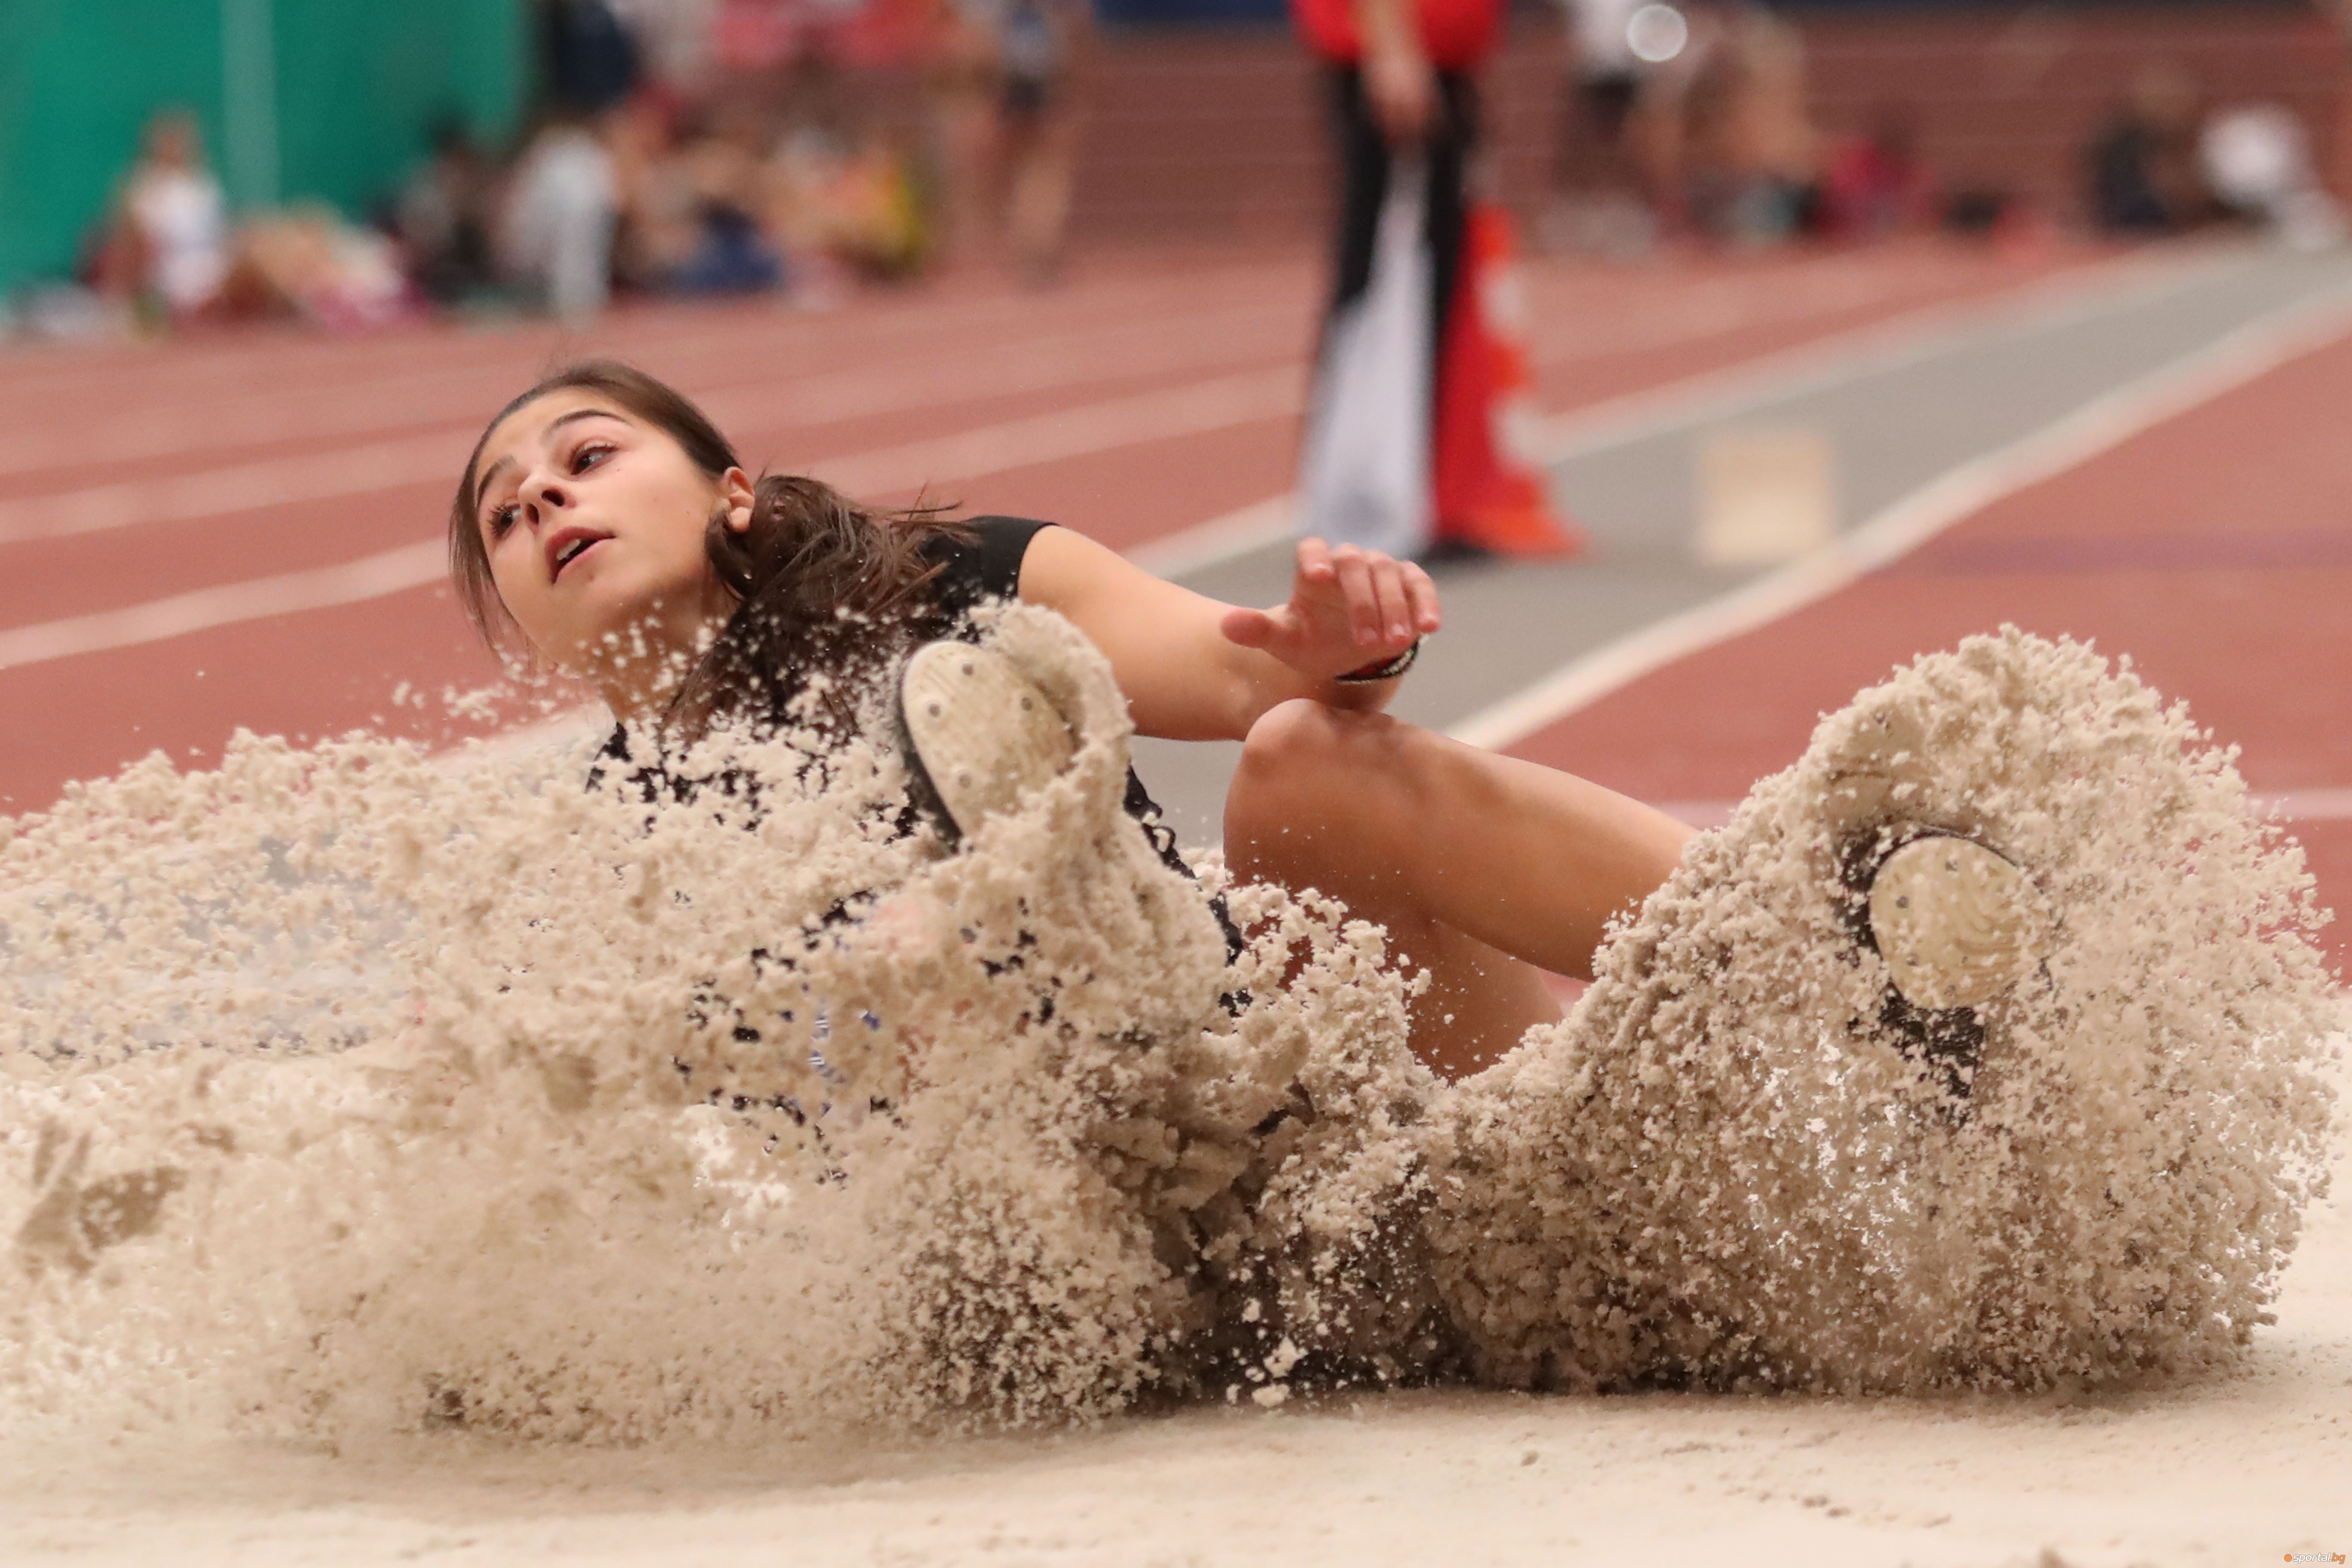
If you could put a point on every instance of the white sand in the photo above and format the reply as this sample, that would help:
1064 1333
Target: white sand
2238 1469
360 1305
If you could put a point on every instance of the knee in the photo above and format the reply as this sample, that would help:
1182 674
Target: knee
1294 764
1300 733
1294 743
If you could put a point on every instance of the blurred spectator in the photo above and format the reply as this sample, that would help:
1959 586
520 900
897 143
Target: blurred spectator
308 261
588 58
658 226
1004 91
556 234
858 205
1401 79
1875 185
168 238
1602 204
2256 160
1753 156
2143 167
727 178
443 218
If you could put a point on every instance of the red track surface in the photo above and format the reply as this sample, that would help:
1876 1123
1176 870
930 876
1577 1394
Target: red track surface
2215 550
127 476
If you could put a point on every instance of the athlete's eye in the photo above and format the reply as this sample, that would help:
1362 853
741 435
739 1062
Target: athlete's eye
588 458
501 519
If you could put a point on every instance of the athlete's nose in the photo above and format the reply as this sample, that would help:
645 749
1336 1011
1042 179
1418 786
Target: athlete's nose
542 496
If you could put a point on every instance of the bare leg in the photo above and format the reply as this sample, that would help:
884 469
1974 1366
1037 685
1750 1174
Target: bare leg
1485 868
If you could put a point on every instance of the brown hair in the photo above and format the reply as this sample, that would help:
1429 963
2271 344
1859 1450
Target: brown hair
820 582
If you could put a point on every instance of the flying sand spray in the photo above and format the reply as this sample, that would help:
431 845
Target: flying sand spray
350 1090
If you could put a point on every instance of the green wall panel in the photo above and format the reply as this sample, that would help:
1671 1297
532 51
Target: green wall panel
354 87
359 86
78 79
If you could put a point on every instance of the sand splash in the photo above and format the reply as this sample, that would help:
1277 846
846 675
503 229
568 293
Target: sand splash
348 1089
1729 1167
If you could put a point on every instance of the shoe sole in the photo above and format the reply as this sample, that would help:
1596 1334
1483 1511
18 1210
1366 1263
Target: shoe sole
980 737
1949 916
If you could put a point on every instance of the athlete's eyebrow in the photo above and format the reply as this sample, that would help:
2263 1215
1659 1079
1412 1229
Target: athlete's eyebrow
482 485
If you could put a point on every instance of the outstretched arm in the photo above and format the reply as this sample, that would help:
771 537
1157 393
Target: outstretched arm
1195 669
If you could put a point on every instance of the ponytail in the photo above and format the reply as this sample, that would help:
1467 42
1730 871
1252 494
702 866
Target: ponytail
822 584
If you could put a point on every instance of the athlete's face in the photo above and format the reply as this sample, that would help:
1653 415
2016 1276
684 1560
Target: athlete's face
593 521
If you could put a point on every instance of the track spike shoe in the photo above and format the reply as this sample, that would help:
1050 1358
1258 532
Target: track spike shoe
2011 867
980 735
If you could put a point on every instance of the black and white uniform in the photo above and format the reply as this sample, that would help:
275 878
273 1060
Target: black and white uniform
983 565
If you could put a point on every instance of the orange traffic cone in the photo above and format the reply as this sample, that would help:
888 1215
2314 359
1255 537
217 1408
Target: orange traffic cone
1490 490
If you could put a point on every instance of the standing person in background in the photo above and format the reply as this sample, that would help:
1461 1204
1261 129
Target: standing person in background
562 208
1768 135
1037 44
168 245
1602 203
1001 89
1407 444
1751 156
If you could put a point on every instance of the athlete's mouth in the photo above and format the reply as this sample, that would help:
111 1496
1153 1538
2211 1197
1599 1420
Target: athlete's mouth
566 545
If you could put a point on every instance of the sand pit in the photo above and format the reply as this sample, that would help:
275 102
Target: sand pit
402 1161
2236 1469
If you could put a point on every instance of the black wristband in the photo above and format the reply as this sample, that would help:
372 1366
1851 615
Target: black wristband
1386 669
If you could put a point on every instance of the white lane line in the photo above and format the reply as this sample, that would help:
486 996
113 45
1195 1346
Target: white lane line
326 587
2289 805
432 456
1948 326
400 404
1201 406
336 474
2309 804
1874 349
2105 423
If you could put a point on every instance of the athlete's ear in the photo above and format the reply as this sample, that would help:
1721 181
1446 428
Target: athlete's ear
736 495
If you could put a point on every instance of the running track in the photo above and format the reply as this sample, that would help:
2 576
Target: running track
2215 548
221 484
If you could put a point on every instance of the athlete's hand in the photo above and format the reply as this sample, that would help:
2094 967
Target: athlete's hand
1349 608
1403 91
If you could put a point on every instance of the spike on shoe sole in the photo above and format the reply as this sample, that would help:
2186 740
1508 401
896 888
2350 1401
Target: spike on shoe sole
981 736
1953 921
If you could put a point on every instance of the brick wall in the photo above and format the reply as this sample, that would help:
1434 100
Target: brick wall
1218 135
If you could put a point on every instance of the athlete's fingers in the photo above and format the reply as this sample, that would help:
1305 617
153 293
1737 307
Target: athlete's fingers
1315 560
1356 586
1395 620
1420 594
